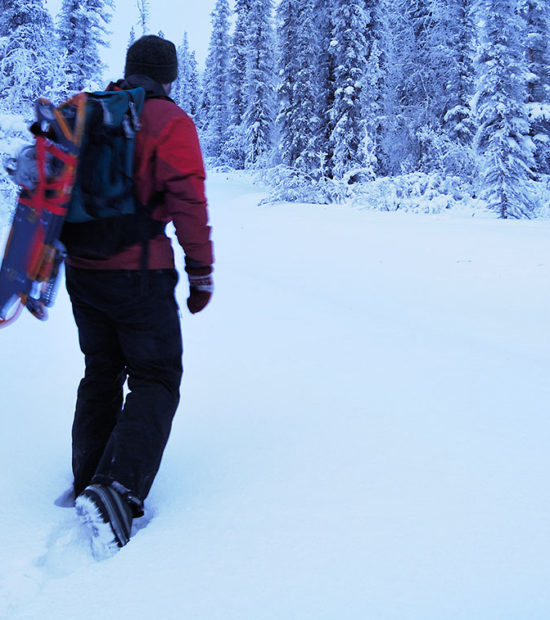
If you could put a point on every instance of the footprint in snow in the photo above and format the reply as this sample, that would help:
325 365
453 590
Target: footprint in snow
67 549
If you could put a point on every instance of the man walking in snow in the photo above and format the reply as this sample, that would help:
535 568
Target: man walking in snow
127 317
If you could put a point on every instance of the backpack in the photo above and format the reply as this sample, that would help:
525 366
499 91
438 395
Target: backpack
104 215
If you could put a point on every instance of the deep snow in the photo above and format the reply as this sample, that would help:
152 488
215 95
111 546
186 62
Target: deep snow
363 431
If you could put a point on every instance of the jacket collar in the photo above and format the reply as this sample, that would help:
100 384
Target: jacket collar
153 89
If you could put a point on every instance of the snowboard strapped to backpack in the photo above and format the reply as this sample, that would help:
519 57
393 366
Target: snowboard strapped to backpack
77 195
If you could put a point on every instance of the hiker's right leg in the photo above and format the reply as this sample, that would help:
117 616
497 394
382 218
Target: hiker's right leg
100 394
149 333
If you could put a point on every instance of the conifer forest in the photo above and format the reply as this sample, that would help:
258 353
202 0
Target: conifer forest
332 100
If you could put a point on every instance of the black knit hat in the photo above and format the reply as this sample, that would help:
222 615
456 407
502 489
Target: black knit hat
152 56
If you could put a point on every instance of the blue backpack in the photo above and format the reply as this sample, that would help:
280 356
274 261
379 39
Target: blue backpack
104 215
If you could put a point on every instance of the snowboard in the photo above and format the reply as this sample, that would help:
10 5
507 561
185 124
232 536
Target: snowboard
45 172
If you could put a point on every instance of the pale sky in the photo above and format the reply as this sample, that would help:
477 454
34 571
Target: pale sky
173 17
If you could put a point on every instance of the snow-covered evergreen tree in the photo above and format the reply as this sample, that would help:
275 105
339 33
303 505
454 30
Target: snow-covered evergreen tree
444 54
215 105
299 114
325 82
234 150
457 40
260 87
27 55
537 17
82 31
179 86
238 96
186 90
194 89
372 95
287 63
349 47
503 144
143 13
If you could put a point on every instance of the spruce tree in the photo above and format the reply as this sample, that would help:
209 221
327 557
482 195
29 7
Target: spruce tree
503 145
299 115
186 88
28 61
234 150
287 70
237 67
537 50
215 106
180 85
457 39
143 12
349 48
442 71
193 96
82 31
325 82
260 88
372 95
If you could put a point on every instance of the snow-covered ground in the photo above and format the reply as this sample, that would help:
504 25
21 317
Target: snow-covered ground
363 434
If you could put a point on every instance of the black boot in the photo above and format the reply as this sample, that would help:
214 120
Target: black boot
108 516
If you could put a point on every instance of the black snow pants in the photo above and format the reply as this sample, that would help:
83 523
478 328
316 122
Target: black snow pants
129 328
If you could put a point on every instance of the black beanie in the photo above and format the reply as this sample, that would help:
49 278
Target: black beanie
152 56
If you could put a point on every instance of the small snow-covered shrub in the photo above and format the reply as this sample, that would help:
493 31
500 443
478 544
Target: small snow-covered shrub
415 192
540 190
219 168
291 185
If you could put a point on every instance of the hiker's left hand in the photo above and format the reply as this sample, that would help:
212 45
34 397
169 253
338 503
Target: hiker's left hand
200 292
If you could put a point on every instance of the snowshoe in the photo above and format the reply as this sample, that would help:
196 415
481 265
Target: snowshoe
46 173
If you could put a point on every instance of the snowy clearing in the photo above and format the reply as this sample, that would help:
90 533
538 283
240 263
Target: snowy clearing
363 431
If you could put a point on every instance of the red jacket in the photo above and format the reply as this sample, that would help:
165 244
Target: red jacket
168 168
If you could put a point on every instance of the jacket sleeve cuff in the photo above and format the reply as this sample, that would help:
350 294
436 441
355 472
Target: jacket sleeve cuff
195 268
